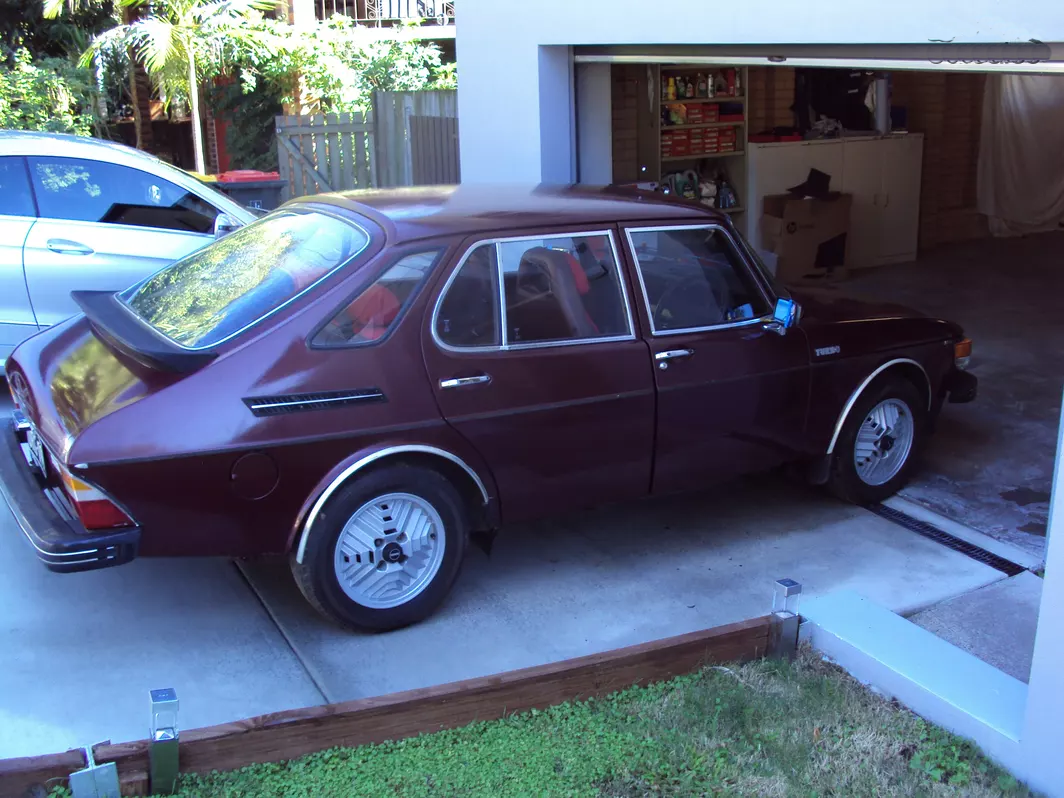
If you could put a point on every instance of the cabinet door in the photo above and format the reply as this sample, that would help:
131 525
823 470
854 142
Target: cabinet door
863 178
900 213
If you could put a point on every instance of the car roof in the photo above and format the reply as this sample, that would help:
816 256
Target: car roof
426 211
64 145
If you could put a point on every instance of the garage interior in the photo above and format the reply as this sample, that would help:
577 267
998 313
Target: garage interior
907 153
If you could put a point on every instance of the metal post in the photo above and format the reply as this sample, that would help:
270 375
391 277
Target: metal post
163 740
95 781
783 632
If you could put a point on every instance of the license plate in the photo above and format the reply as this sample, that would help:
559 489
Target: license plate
36 450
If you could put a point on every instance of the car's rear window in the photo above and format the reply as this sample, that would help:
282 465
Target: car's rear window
226 287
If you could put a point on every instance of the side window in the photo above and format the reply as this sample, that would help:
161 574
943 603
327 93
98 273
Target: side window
562 288
372 313
96 191
16 199
468 316
694 278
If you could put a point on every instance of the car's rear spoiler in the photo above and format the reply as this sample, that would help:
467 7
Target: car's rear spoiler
117 326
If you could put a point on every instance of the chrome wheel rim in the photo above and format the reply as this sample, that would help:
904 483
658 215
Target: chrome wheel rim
884 442
389 550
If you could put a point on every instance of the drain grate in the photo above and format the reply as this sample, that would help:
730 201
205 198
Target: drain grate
946 539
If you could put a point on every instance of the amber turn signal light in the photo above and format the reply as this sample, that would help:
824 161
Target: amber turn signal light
962 353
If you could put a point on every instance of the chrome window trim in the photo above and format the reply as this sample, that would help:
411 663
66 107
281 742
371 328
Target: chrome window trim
282 306
503 346
372 458
646 297
860 389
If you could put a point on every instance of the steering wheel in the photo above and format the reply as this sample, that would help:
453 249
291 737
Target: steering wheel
690 287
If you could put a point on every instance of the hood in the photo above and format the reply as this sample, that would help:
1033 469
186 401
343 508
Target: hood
828 307
66 379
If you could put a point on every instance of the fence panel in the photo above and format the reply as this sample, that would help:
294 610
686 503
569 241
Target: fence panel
416 138
318 153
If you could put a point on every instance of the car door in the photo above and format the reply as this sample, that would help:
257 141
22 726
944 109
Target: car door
17 215
104 226
532 354
732 390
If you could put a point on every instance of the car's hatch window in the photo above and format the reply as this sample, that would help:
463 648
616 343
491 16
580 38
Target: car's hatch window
693 278
226 287
109 193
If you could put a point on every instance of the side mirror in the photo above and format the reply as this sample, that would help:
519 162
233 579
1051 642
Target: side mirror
224 224
784 316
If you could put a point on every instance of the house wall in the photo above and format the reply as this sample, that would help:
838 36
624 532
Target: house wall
510 98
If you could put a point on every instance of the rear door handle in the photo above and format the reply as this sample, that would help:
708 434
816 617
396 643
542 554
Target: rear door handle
458 382
64 246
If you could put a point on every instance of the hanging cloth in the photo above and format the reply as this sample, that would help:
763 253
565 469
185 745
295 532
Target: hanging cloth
1021 154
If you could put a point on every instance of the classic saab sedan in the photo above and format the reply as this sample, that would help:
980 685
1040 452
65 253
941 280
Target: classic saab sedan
360 380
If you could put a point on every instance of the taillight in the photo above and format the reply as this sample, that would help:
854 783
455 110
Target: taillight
94 509
962 353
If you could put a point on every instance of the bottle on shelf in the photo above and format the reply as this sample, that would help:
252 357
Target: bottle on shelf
701 89
690 88
670 93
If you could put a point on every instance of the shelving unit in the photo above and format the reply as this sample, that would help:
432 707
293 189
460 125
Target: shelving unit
693 143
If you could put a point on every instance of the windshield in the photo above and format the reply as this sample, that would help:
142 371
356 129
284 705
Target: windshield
226 287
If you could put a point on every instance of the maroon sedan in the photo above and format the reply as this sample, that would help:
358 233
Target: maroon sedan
360 380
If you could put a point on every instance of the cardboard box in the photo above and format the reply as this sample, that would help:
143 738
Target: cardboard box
808 236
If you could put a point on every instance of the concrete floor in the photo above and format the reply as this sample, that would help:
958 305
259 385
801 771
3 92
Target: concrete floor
623 575
990 464
996 623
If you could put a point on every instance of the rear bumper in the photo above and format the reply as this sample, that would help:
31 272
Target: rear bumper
962 386
61 543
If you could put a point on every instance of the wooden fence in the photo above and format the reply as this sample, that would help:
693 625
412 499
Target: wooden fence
416 138
321 153
408 139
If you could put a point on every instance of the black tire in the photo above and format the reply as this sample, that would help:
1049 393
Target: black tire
843 479
317 577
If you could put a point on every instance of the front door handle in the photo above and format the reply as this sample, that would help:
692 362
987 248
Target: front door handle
663 358
64 246
458 382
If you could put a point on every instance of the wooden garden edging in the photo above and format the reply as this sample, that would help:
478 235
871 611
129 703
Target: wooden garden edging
293 733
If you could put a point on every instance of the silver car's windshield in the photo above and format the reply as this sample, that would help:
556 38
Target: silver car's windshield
226 287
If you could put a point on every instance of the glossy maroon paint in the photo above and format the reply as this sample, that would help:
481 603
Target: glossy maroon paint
556 428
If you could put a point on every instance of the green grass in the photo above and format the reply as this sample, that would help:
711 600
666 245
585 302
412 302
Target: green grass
762 729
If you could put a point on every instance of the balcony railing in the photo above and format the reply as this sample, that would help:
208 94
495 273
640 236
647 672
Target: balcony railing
388 12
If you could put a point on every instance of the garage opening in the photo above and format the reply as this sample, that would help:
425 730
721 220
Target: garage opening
939 208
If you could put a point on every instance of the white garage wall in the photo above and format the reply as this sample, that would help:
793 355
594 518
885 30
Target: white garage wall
514 100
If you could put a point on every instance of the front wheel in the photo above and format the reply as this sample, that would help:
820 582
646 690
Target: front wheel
385 550
877 448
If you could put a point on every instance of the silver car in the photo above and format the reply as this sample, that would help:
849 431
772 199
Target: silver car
84 214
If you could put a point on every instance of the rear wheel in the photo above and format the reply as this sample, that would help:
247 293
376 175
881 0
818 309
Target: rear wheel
877 448
385 550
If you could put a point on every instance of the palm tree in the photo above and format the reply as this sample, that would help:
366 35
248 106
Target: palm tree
179 42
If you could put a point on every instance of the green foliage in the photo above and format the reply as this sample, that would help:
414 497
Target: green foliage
336 65
23 23
47 94
249 114
945 758
766 728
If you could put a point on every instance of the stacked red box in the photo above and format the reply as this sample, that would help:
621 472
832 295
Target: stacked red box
675 142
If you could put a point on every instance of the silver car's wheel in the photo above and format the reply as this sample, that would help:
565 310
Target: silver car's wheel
884 442
389 550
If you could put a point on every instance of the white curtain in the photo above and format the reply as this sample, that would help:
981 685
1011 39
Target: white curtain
1021 153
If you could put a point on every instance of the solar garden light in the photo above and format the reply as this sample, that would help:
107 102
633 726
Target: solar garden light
163 740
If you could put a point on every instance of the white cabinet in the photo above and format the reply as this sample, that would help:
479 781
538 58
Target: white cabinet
882 174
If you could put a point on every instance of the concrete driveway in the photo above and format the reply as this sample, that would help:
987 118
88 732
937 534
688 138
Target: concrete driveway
78 652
